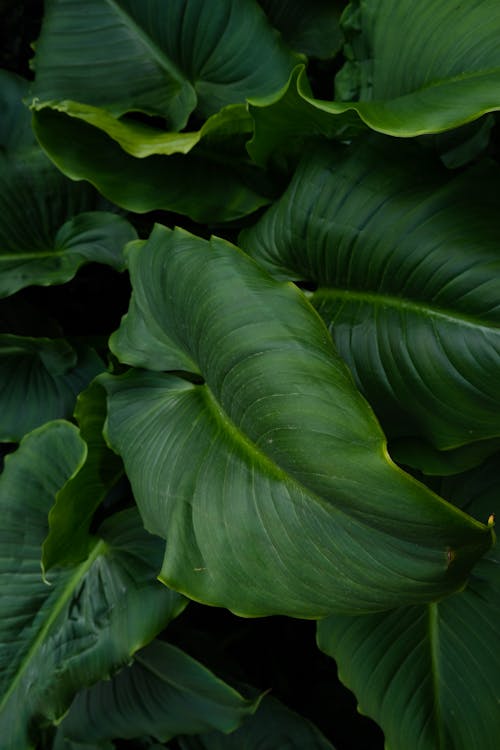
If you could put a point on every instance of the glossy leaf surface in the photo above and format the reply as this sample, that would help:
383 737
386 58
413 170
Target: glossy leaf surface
93 617
164 693
406 262
291 504
430 675
165 59
412 69
41 379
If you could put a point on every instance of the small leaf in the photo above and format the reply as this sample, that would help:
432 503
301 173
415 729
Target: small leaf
42 378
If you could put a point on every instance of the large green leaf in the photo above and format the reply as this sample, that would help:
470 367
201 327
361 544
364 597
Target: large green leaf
272 727
57 639
69 519
431 675
163 694
270 480
412 69
211 183
41 379
166 59
407 264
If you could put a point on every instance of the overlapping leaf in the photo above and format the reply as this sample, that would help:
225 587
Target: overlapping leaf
163 693
168 60
430 675
48 227
56 639
69 519
165 59
213 182
407 266
269 480
40 379
412 69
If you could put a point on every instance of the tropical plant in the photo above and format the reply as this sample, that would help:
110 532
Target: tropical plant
297 416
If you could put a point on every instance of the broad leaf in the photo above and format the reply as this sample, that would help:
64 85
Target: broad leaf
406 261
211 183
166 59
272 727
69 519
41 379
178 695
430 676
270 480
412 69
57 639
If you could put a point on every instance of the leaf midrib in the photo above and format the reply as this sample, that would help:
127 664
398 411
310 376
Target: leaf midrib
404 304
165 62
63 599
268 462
42 255
433 625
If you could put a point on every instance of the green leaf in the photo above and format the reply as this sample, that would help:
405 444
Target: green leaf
420 68
141 140
285 120
165 59
57 639
47 230
211 183
178 695
42 378
430 676
311 28
47 225
270 480
405 259
69 519
272 727
412 69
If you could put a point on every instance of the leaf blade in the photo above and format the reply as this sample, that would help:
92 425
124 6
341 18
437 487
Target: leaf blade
278 426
